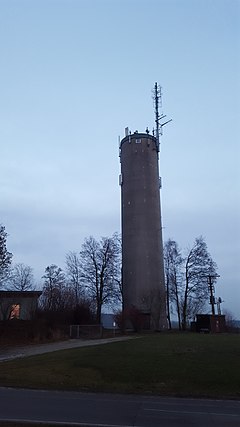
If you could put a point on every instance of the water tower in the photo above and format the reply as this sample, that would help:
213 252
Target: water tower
142 244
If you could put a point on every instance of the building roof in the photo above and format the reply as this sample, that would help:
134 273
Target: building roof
20 294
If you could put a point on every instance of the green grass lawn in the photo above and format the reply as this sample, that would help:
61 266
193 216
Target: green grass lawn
165 364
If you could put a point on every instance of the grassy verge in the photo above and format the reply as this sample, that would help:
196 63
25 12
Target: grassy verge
165 364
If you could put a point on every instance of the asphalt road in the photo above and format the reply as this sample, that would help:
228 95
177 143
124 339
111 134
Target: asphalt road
106 410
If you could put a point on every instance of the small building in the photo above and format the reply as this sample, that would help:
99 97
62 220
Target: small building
18 304
210 323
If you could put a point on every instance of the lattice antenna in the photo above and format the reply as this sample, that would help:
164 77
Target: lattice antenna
157 97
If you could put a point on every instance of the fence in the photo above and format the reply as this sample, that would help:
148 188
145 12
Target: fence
86 331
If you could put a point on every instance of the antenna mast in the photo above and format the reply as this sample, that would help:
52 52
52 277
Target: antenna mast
157 97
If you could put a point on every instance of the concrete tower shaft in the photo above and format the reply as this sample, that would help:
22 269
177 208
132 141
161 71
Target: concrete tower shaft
142 253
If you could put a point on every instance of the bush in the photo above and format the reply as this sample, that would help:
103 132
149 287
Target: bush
27 331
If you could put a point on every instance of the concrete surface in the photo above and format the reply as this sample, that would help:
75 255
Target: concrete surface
9 353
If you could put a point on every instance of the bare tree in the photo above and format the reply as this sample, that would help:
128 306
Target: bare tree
118 269
54 289
21 278
198 265
100 270
173 270
5 256
73 270
187 279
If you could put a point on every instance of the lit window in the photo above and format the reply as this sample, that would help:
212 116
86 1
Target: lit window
14 312
138 141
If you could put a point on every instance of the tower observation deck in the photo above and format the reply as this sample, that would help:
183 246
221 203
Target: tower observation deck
142 244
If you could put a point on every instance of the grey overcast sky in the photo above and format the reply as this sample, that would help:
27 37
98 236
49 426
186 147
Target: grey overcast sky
73 75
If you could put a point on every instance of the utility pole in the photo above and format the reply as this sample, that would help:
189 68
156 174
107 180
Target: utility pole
212 299
212 291
219 302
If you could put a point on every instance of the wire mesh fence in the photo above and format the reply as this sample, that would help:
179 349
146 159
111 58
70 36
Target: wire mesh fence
86 331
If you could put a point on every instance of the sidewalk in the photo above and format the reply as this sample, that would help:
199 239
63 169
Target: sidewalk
34 349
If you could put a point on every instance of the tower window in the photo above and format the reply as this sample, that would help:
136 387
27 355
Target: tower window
138 141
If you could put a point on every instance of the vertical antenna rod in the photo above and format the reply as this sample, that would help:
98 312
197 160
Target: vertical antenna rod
157 97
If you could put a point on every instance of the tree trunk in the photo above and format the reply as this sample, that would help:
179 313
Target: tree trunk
179 317
99 313
184 310
178 311
168 306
